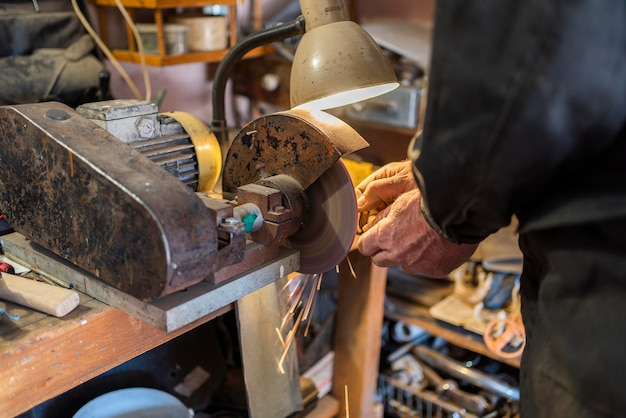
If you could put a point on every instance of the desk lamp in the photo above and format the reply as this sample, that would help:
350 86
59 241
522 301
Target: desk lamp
336 62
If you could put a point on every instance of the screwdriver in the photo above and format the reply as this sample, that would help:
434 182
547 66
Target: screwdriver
6 268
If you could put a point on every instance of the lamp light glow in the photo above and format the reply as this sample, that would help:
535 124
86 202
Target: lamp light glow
347 97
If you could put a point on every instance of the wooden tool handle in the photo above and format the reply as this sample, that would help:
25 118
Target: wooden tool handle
43 297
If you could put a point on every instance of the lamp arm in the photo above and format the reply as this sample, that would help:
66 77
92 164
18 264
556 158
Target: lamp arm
234 55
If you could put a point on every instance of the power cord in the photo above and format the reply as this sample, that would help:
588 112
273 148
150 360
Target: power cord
107 52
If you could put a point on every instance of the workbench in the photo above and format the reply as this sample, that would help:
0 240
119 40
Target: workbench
44 356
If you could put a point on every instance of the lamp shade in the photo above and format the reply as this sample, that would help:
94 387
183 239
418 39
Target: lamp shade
337 63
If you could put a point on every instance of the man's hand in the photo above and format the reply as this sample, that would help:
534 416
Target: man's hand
382 188
399 234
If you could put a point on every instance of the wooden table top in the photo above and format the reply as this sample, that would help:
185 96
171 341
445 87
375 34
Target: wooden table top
43 356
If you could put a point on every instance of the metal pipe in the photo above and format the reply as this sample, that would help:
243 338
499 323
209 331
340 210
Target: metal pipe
224 69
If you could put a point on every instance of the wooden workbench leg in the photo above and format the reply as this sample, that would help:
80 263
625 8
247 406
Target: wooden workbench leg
358 336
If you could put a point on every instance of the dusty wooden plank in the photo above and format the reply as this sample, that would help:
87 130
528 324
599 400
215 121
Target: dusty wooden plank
27 317
357 335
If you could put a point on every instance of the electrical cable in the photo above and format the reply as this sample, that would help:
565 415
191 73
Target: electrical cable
107 52
140 50
234 55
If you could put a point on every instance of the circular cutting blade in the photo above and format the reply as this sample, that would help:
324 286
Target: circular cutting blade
330 227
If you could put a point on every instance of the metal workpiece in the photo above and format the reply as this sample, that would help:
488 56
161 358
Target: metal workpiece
297 143
81 193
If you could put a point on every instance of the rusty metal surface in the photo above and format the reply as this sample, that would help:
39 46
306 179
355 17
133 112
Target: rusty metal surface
255 256
282 204
297 143
83 194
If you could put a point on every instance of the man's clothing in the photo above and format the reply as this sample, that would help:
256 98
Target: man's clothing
526 116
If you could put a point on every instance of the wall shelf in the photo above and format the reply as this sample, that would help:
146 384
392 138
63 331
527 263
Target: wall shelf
191 57
417 315
158 7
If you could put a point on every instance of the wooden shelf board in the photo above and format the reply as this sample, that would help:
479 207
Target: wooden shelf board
191 57
163 4
43 356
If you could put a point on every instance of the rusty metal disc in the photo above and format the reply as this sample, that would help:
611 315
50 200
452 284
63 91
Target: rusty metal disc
330 225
